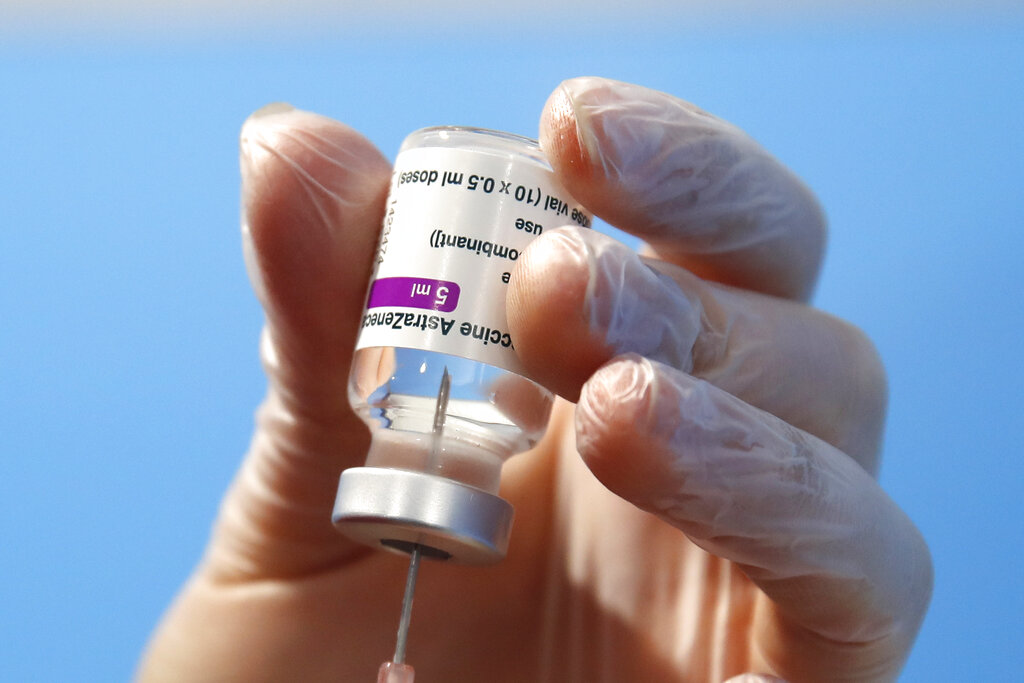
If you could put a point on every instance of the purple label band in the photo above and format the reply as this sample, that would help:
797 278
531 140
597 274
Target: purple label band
414 292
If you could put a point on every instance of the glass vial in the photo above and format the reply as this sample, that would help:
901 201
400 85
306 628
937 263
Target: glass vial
435 373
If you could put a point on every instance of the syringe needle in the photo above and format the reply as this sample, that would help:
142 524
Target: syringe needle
410 589
397 671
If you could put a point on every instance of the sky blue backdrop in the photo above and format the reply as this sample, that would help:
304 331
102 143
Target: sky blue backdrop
128 355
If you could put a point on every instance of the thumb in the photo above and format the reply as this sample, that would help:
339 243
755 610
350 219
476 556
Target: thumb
313 193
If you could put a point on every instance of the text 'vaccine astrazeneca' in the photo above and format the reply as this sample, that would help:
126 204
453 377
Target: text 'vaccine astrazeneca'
435 373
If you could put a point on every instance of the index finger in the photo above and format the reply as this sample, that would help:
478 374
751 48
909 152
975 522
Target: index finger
699 190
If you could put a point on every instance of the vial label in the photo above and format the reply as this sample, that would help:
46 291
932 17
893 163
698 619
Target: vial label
455 223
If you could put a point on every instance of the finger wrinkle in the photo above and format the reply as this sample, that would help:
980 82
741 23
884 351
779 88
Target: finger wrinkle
724 202
725 468
303 387
310 184
624 383
686 171
636 308
298 141
316 144
292 469
289 124
617 394
628 127
802 519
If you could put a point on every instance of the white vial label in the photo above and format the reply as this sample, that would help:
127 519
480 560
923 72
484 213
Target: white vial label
456 222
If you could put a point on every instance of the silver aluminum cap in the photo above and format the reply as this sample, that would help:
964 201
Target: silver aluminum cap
395 509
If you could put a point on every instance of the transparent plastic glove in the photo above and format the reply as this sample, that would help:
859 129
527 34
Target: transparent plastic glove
722 519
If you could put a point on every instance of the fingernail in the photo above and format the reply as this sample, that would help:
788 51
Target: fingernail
272 109
564 249
604 123
624 126
623 381
562 258
562 117
622 390
636 308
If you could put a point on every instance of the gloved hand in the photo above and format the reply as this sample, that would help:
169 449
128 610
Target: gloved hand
707 509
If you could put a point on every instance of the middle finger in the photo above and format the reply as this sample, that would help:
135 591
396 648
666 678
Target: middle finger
579 298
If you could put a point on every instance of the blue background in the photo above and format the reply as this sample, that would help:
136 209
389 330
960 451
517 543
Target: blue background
128 335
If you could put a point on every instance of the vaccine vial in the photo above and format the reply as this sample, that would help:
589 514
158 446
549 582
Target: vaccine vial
435 374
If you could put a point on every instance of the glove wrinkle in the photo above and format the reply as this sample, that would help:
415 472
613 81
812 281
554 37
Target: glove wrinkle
702 192
804 522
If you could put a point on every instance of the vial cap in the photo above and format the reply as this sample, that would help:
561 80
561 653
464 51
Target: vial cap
394 509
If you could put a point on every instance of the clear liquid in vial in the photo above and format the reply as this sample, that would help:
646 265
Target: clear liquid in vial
491 414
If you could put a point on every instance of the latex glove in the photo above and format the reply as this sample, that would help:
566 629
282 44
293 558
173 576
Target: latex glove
722 519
